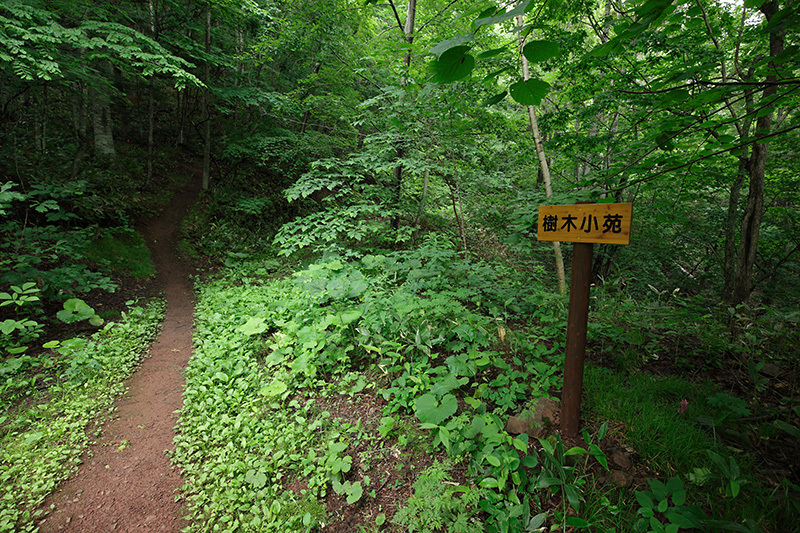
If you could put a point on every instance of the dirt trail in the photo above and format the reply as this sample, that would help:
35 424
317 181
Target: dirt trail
126 482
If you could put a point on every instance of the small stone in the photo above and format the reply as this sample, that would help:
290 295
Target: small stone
772 370
519 424
619 479
534 423
621 459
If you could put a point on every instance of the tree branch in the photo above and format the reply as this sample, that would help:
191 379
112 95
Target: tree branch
397 18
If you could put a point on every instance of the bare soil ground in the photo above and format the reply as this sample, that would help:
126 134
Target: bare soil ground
126 481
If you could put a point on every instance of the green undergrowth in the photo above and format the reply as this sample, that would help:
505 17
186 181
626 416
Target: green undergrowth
718 432
42 439
122 251
451 348
698 435
425 332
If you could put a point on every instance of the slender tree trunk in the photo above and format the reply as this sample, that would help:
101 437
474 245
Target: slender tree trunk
543 166
40 122
102 123
730 257
455 198
80 111
180 111
400 149
421 208
151 106
207 105
751 221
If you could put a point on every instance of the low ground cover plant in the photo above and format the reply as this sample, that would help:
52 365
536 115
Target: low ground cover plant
430 364
42 438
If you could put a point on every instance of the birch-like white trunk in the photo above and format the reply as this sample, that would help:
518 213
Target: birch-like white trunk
545 168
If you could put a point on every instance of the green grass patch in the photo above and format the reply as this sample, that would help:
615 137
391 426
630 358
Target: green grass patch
648 406
122 251
694 436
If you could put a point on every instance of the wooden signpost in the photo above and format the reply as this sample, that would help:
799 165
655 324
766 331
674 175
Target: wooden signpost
583 224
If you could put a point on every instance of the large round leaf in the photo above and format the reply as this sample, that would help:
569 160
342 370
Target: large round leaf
537 51
430 411
529 92
454 64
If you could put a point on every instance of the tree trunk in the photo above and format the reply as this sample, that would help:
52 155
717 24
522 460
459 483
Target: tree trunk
751 221
544 168
151 106
180 111
207 105
730 257
102 124
80 111
400 150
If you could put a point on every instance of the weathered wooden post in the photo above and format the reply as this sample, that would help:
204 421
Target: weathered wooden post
583 224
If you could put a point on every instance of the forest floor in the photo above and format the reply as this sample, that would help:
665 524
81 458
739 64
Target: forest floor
126 481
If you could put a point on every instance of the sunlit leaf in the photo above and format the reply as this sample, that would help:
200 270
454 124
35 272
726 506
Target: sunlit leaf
458 40
529 92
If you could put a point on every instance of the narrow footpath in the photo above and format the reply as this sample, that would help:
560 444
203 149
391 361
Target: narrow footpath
126 482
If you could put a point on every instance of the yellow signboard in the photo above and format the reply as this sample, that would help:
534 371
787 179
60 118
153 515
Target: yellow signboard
599 223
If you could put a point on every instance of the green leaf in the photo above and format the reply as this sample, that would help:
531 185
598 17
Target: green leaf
734 487
494 74
575 450
488 483
520 444
644 500
544 481
657 526
576 521
430 411
253 326
529 92
354 493
601 434
521 9
494 99
536 522
75 310
458 40
674 485
788 428
454 64
16 351
679 519
538 51
275 388
492 53
573 496
256 478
